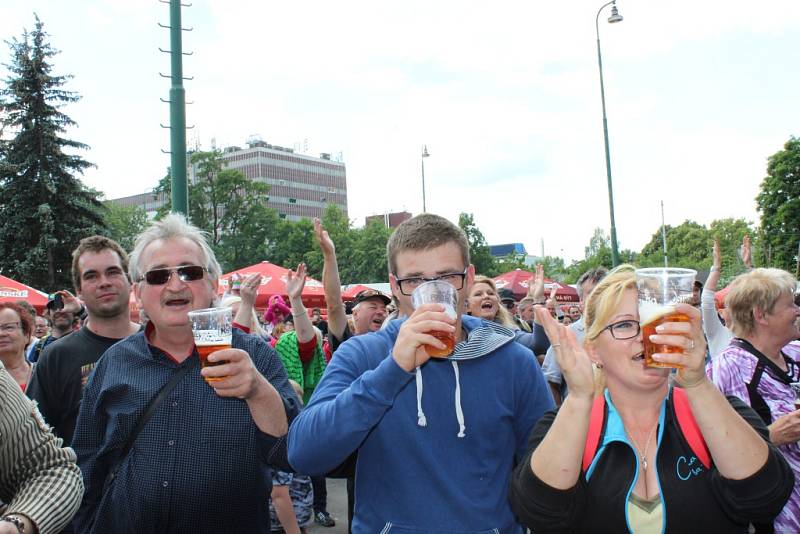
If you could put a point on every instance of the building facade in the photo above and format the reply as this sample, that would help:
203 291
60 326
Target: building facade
300 186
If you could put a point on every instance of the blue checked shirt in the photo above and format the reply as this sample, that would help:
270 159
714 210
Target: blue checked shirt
200 465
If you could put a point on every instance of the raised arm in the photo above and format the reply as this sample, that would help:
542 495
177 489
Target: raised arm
737 449
557 459
337 318
248 293
747 256
713 276
294 286
536 285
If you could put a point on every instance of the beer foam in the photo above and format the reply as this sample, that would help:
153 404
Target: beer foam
651 311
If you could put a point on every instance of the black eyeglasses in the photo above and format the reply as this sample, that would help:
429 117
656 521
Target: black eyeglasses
186 273
621 330
408 285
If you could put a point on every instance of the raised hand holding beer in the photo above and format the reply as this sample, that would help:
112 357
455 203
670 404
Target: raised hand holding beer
661 290
416 334
686 343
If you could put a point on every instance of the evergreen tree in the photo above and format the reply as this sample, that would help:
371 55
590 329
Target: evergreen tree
46 209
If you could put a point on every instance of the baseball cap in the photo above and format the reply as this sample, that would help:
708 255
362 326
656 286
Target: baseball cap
367 294
506 294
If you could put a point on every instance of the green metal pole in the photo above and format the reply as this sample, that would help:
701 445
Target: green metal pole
177 113
614 249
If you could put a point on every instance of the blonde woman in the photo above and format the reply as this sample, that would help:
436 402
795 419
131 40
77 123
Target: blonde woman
483 303
641 474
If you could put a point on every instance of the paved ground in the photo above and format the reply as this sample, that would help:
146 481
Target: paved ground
337 507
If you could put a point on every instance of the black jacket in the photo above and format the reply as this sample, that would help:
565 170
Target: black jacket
696 500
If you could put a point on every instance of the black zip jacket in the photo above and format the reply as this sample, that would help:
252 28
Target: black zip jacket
695 499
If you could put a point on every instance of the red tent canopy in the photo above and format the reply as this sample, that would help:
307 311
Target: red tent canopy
273 282
517 282
353 290
13 291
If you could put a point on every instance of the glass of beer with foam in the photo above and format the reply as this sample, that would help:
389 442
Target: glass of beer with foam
660 289
438 292
212 328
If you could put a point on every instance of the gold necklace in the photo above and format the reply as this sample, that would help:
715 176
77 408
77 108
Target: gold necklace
642 456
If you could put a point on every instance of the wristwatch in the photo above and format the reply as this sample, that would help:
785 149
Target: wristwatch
16 521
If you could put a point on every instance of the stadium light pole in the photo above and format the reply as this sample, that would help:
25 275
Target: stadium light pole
614 18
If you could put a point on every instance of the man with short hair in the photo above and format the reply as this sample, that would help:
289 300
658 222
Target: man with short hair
42 326
100 277
439 460
200 463
574 313
550 367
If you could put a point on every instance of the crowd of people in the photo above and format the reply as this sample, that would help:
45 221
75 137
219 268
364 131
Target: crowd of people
543 416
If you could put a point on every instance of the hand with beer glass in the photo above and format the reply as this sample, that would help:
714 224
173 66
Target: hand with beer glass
433 320
661 290
438 292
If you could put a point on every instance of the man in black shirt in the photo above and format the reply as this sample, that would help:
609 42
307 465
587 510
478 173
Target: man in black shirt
99 273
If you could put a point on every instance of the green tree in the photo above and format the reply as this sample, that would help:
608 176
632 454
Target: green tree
124 223
46 208
730 233
164 186
688 245
232 209
479 253
294 243
779 205
369 262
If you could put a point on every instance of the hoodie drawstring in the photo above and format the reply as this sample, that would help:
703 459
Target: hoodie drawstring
459 412
421 421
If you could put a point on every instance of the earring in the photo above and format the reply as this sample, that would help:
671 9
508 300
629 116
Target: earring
598 365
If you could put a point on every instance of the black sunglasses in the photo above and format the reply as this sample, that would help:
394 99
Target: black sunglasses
186 273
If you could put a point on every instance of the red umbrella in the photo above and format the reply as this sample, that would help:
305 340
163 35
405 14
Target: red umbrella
273 282
517 282
353 290
13 291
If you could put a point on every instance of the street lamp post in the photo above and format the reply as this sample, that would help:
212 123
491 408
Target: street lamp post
425 154
615 17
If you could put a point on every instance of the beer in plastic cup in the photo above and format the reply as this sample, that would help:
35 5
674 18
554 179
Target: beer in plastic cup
212 329
660 289
438 292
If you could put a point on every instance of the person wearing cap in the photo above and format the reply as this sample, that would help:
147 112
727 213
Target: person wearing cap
508 302
61 310
437 438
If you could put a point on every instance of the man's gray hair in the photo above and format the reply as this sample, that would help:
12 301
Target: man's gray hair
173 226
524 303
592 275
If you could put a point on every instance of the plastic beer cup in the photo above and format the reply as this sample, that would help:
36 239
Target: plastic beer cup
660 289
438 292
212 329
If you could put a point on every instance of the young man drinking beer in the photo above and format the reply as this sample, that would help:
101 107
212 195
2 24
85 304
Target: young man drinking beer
436 437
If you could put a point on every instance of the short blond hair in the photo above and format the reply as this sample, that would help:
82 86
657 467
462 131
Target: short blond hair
503 316
606 298
759 288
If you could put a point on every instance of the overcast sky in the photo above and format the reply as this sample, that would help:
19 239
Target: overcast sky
504 94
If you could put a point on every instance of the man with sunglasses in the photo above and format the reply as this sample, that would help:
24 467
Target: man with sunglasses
200 462
437 438
99 274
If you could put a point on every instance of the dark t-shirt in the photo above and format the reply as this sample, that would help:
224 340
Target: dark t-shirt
60 376
335 341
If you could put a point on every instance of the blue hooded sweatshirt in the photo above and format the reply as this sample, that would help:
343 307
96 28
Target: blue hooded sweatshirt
436 447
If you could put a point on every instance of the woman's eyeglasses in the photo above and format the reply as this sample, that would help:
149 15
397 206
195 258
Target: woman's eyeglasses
186 273
621 330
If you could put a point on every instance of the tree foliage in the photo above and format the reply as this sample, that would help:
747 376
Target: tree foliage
479 253
46 208
124 223
779 205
